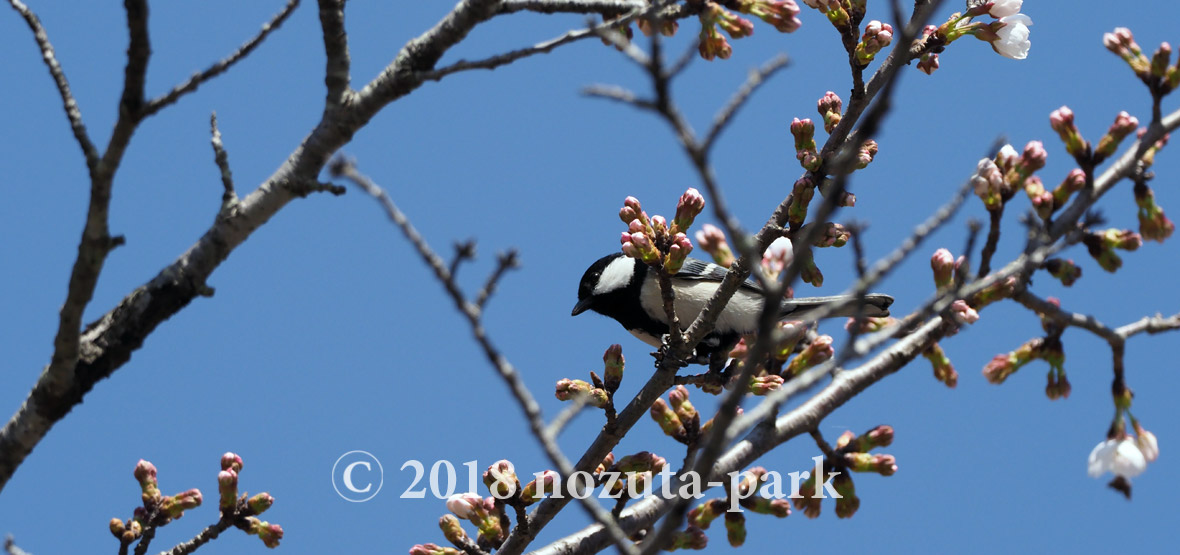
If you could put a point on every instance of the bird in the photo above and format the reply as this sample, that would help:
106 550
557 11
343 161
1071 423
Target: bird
628 290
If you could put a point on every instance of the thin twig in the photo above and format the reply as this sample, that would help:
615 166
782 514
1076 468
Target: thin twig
210 533
63 85
229 197
221 66
756 79
504 262
532 411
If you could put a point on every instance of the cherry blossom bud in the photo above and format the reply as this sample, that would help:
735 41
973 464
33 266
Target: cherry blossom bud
704 514
1061 120
134 530
819 351
452 529
885 465
788 334
876 37
175 505
943 264
928 64
227 489
614 363
809 272
712 45
693 538
145 474
779 13
994 292
468 506
1160 60
643 461
801 196
1064 270
944 371
780 508
117 527
1033 158
607 462
231 461
678 398
834 235
829 107
880 436
805 148
659 225
989 184
568 389
865 155
712 240
677 253
736 26
735 528
501 481
433 549
1153 224
270 534
667 419
762 385
1002 366
690 206
668 27
963 312
1058 386
537 489
1074 181
1124 124
259 503
848 502
1042 200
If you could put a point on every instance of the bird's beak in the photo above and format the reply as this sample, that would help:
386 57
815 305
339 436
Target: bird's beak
582 306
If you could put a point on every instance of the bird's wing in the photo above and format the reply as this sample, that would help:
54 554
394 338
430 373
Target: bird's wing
707 271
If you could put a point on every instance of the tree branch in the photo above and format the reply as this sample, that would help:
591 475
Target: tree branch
532 411
73 114
156 104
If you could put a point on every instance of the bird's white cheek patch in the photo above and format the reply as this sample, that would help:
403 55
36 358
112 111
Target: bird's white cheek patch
615 276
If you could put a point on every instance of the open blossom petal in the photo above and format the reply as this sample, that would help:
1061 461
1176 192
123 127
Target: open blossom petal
1012 39
1118 456
1005 8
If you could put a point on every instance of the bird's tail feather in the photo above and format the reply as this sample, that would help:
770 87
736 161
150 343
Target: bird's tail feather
875 305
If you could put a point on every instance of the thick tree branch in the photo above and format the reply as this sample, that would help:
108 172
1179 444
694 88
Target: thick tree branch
606 7
337 75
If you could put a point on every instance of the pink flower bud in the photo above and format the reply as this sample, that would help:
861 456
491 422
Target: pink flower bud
227 488
963 312
943 264
467 506
690 206
779 13
928 64
231 461
270 534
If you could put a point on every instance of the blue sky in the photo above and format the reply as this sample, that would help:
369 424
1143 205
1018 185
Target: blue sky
327 334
